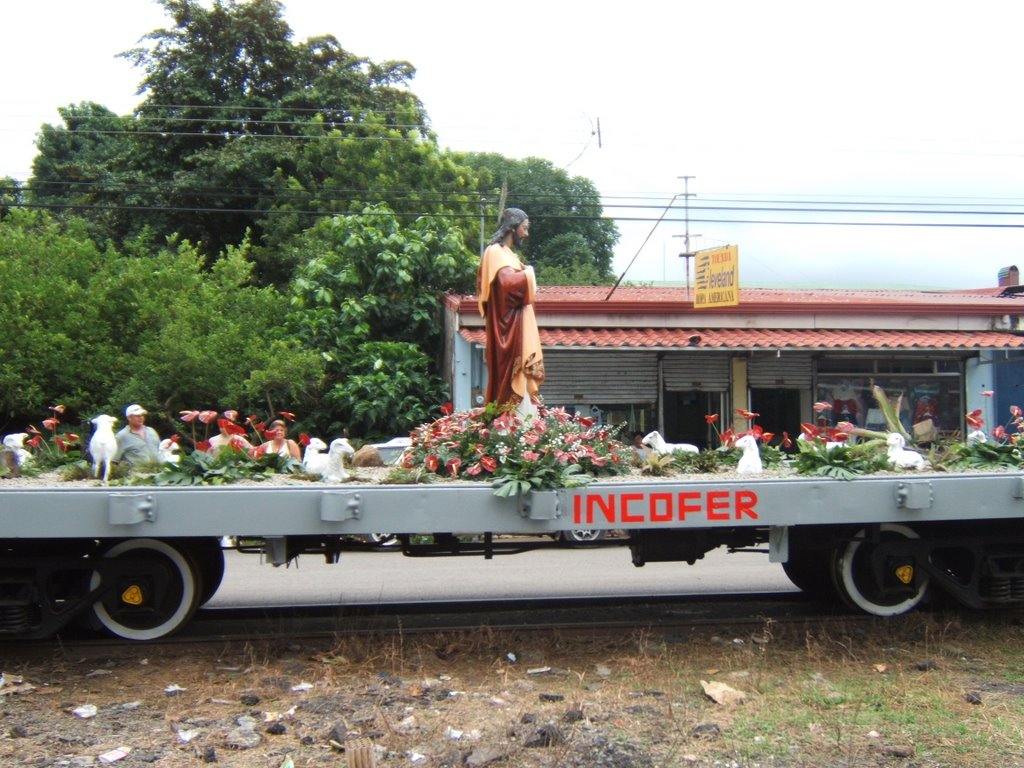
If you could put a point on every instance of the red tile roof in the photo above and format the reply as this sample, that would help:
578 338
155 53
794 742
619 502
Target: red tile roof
767 338
677 300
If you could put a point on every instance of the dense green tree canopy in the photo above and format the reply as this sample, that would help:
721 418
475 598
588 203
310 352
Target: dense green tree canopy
559 206
94 329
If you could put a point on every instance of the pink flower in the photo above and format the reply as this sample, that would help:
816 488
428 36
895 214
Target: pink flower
819 407
1014 411
57 409
287 414
531 438
987 393
474 469
453 465
231 415
531 455
489 463
207 416
188 415
51 423
974 419
999 433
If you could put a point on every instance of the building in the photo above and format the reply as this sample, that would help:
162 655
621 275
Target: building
645 357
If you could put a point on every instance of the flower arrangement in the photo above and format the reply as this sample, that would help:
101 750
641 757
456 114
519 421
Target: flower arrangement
554 449
50 446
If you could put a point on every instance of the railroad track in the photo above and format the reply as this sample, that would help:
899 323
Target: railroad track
673 614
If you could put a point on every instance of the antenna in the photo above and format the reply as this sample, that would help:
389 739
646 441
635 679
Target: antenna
687 253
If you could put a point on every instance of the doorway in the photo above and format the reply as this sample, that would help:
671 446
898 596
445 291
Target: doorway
684 417
779 410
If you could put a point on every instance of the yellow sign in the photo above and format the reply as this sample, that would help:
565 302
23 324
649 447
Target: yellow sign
717 277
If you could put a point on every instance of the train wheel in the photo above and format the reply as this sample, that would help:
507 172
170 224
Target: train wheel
581 537
209 557
857 580
811 571
153 601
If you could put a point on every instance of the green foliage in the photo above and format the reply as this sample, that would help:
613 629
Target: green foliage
225 466
388 389
94 329
570 239
368 300
842 462
987 455
551 450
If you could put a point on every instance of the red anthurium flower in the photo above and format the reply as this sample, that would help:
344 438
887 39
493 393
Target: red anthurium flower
203 445
757 430
433 463
57 408
259 451
452 465
447 409
999 433
33 429
63 446
188 415
845 426
987 393
1014 411
287 414
72 437
51 423
35 441
531 455
531 438
974 419
766 437
748 415
489 463
207 416
819 407
232 415
259 426
711 418
303 439
786 442
236 443
474 469
235 429
586 421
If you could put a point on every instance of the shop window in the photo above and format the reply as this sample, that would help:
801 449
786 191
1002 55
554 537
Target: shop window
927 406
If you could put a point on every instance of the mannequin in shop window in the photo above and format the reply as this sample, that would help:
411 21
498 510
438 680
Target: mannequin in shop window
845 404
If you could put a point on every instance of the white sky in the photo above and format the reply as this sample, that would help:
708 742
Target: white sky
870 102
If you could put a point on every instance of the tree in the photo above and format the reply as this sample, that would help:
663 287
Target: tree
94 329
558 205
368 298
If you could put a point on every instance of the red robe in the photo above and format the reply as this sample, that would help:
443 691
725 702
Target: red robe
515 363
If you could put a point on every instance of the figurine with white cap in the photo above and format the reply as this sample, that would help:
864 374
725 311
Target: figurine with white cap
137 443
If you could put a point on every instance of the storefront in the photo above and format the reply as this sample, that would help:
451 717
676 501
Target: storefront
645 362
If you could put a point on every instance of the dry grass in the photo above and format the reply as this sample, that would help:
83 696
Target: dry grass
923 691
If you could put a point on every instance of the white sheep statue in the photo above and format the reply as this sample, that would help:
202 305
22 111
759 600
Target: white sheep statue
750 461
976 437
167 453
103 445
314 461
657 443
16 443
900 457
334 471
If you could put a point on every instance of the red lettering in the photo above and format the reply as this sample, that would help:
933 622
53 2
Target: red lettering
745 503
577 507
605 505
627 517
661 507
684 507
718 500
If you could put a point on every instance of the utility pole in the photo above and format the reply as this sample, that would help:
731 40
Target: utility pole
687 253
